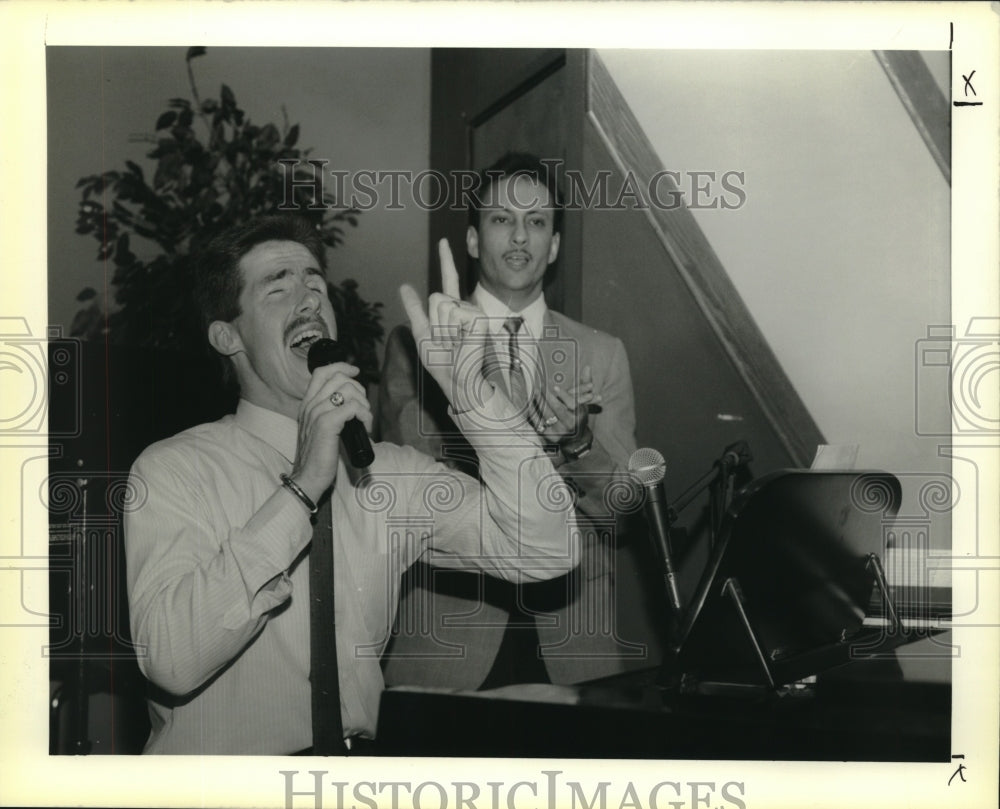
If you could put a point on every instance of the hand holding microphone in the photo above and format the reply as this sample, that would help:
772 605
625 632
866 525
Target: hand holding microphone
354 435
333 401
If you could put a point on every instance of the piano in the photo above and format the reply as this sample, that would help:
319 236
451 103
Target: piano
794 646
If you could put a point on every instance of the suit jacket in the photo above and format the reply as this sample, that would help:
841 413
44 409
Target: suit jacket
449 626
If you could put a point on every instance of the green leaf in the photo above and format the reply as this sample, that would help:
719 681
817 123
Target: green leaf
194 52
86 294
165 120
165 147
269 136
292 137
228 99
123 256
91 182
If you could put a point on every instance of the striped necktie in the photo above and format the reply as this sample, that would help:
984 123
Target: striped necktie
518 383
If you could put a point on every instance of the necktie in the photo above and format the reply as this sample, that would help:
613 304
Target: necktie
518 383
327 727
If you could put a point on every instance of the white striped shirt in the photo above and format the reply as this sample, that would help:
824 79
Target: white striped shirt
218 575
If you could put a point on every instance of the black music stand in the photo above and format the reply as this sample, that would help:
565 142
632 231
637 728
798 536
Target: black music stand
784 596
789 583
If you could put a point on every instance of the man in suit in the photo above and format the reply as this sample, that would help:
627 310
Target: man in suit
573 383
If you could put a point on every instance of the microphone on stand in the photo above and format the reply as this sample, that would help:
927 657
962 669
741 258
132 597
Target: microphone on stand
648 468
736 455
356 441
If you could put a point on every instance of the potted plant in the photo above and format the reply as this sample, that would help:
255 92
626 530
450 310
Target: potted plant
215 168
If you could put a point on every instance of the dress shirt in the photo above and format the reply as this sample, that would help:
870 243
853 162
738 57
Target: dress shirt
218 574
531 330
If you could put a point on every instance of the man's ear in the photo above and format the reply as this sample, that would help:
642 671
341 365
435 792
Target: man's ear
472 241
224 338
554 247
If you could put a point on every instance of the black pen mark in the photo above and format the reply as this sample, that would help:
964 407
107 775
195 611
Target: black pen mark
968 83
960 772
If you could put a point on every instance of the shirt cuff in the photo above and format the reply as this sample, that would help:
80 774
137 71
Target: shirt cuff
497 416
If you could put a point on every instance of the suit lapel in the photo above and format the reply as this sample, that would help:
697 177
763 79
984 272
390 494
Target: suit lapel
557 355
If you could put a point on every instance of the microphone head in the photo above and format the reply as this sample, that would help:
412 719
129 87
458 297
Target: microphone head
324 352
647 466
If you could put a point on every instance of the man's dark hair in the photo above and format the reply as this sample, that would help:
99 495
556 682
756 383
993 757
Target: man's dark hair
218 279
516 164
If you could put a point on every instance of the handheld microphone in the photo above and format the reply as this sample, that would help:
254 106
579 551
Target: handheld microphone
647 468
356 441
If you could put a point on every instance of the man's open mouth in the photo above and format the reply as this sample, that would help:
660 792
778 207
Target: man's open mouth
304 339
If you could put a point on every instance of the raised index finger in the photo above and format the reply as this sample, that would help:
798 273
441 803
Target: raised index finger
415 312
449 275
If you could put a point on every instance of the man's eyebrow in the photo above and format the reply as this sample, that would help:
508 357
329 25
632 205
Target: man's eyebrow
271 277
277 275
528 212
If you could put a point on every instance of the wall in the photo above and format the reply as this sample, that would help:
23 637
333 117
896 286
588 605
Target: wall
841 251
358 108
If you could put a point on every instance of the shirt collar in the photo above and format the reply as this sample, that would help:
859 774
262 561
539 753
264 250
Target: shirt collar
497 311
273 428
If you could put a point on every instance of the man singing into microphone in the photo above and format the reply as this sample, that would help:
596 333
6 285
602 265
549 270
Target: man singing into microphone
218 571
573 384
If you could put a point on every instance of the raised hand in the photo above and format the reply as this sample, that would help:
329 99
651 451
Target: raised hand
451 337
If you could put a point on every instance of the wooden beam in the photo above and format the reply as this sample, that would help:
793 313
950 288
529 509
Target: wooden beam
927 107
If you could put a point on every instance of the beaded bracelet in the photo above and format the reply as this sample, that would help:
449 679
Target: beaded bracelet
295 489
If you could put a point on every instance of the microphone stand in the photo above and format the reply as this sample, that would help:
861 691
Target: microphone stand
719 481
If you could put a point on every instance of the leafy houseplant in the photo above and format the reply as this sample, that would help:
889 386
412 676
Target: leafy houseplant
202 185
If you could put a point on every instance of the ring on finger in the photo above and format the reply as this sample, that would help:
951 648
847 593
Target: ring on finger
550 421
336 398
